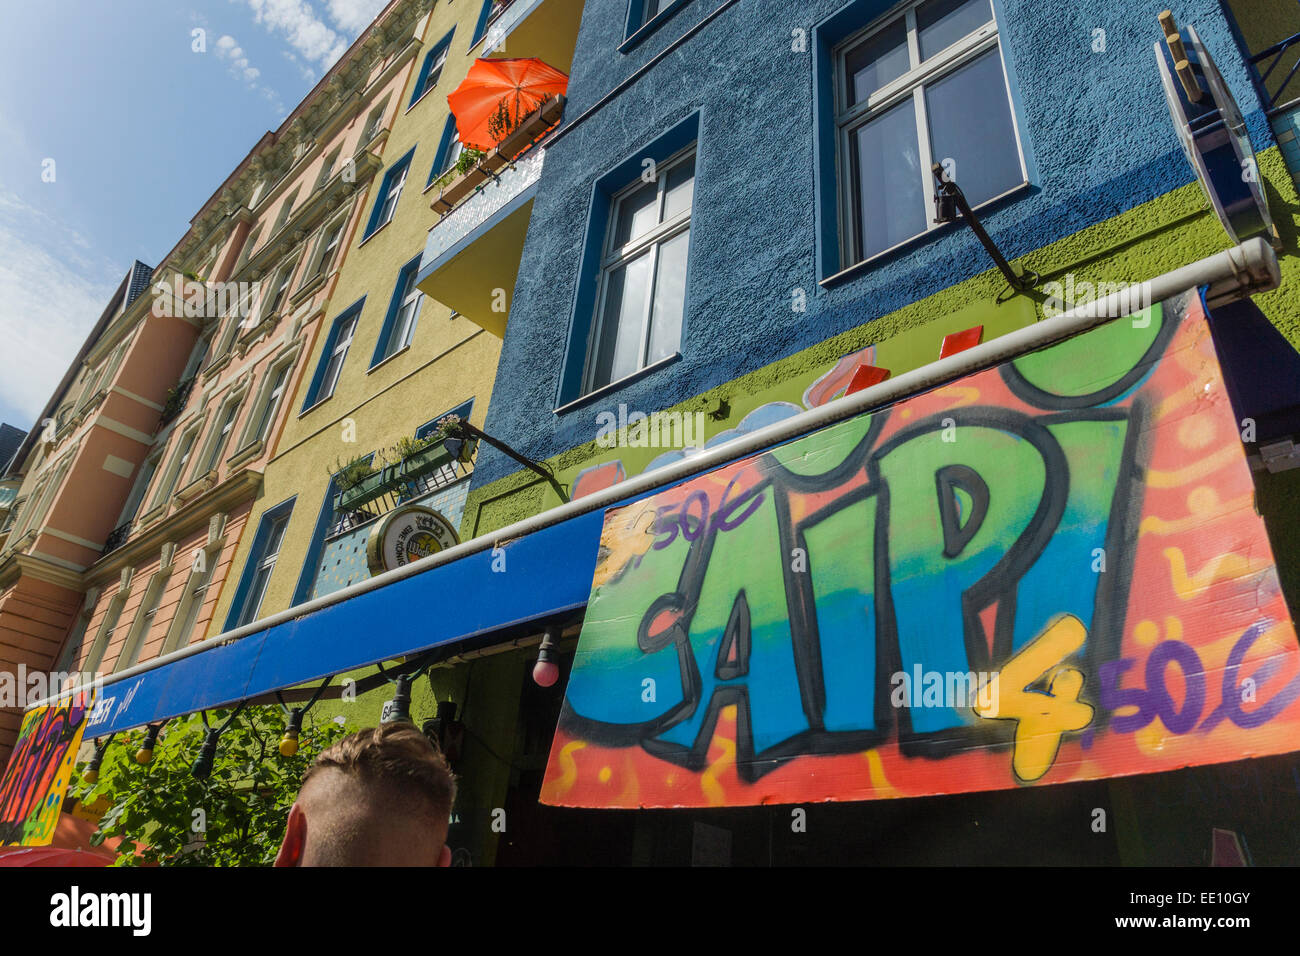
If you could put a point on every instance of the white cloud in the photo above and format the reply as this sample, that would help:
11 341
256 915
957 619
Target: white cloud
352 16
297 22
229 51
52 295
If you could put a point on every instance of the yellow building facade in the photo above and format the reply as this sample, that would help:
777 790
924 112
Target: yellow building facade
388 360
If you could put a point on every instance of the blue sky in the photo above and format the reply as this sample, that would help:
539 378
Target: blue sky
141 129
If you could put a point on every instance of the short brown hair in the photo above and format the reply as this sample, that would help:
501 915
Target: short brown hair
396 757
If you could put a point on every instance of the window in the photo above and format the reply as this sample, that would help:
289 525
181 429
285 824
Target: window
270 404
222 435
261 563
373 122
278 289
643 274
490 11
329 242
187 613
176 469
640 13
399 325
106 627
389 191
144 619
449 150
333 356
285 209
249 246
327 168
72 646
139 488
926 86
431 69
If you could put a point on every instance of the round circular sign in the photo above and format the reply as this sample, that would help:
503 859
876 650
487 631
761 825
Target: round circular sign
406 535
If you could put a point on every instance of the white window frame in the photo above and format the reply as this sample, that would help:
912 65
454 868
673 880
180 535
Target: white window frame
614 258
264 570
277 293
180 460
326 246
328 382
388 207
145 615
104 635
408 310
142 482
223 428
269 399
911 84
327 168
181 629
286 210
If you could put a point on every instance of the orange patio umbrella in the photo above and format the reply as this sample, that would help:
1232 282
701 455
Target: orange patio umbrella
510 88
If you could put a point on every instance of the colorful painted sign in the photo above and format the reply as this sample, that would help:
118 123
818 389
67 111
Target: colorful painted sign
1045 572
40 769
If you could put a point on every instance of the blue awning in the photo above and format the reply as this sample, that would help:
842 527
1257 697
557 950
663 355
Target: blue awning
448 603
465 593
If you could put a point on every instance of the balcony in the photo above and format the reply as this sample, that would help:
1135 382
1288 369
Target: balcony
118 537
418 474
546 29
177 396
471 257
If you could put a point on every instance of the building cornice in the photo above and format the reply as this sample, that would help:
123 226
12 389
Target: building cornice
196 514
32 566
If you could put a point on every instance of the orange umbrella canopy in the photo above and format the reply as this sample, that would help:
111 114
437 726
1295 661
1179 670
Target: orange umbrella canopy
505 89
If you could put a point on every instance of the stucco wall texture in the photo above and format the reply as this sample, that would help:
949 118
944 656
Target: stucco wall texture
1094 127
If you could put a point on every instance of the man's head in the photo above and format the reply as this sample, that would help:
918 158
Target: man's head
381 797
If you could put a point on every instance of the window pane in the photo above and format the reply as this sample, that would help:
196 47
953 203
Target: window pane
637 214
652 8
941 23
891 198
879 60
670 294
970 122
680 189
618 353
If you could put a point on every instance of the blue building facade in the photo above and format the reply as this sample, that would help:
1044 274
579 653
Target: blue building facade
749 87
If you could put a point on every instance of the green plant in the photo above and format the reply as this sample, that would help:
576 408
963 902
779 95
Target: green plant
234 817
467 160
348 475
406 446
501 122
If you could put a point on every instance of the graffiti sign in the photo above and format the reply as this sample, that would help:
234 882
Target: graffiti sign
1048 571
39 771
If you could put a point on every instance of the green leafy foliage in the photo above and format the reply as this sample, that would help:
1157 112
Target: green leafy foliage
351 473
407 446
235 817
467 160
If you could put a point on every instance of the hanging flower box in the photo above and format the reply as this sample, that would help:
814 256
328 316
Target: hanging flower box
519 141
363 492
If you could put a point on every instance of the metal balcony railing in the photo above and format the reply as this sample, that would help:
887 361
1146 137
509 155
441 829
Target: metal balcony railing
176 400
419 474
118 537
1273 57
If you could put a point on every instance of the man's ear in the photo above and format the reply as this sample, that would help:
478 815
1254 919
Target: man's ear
295 839
444 858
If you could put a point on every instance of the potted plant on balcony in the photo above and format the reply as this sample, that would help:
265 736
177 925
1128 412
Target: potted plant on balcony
358 482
